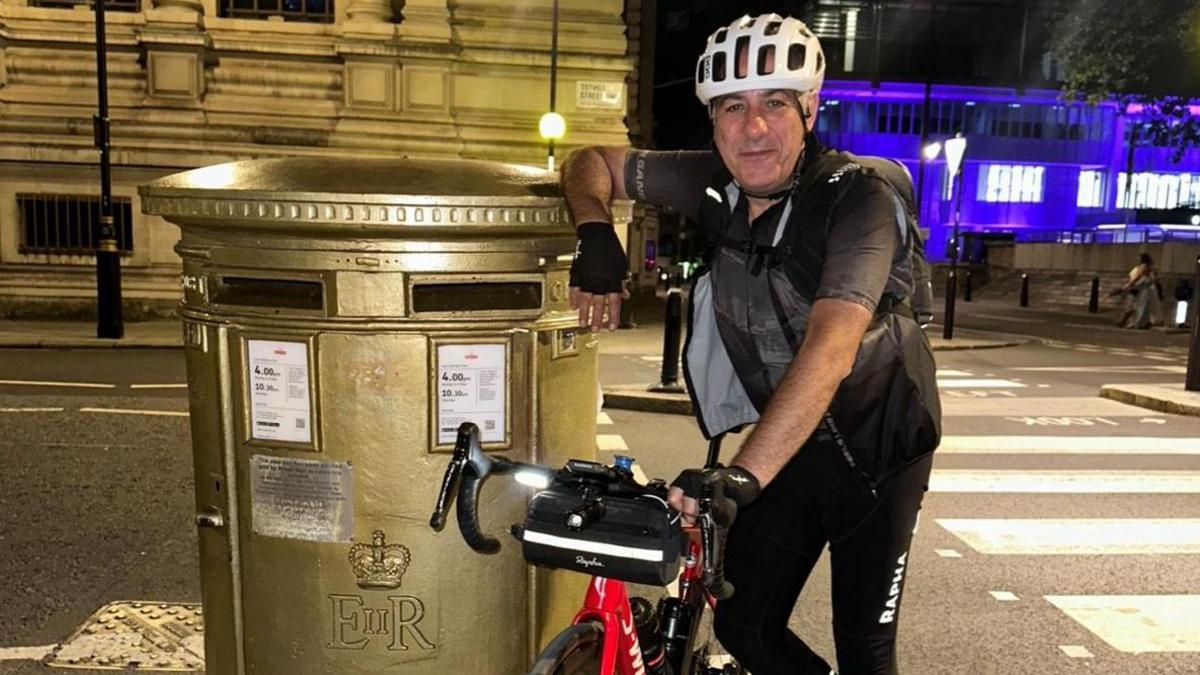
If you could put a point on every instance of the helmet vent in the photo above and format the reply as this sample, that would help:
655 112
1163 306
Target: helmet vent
718 67
805 33
700 69
766 60
741 51
820 62
721 35
772 28
796 55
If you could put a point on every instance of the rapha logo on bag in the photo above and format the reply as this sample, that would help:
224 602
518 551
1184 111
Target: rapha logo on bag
584 562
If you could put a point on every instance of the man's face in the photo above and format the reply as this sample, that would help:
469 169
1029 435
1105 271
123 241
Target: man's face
760 135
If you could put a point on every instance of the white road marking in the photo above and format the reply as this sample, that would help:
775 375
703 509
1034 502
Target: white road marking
1137 624
978 384
25 653
1004 596
1174 359
1049 406
1082 536
30 410
1153 420
77 385
1069 445
947 553
1065 482
653 359
610 443
1090 350
1013 319
952 373
1076 651
603 419
158 386
124 411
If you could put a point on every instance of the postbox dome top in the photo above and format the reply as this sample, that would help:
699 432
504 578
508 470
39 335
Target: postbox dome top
355 180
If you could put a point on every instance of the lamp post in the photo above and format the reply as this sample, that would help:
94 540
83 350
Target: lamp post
110 322
552 125
955 149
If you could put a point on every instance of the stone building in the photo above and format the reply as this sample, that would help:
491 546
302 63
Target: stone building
200 82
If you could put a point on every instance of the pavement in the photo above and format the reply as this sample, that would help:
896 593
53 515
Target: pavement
644 338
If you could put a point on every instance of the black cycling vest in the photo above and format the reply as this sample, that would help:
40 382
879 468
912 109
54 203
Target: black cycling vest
756 295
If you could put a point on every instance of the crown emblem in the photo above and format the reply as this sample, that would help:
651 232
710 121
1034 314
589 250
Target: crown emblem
379 565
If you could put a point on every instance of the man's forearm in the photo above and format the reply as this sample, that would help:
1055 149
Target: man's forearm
798 404
588 186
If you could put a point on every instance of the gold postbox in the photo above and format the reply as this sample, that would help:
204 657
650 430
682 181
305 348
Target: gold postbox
341 318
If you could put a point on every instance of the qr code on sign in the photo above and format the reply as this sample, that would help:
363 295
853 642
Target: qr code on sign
489 425
300 422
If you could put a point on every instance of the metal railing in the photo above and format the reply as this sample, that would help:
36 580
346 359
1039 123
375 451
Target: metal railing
1152 236
109 5
317 11
66 224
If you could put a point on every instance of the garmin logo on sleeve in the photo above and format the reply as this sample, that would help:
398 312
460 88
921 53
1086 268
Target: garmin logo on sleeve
893 601
639 175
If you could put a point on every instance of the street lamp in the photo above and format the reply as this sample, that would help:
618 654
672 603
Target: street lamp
552 127
955 149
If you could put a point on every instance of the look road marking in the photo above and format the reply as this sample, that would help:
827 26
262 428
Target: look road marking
1065 482
1083 536
1069 445
77 385
1137 624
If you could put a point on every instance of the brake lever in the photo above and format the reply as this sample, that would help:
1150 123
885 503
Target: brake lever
450 483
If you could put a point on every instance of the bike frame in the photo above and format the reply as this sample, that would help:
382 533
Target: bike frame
607 601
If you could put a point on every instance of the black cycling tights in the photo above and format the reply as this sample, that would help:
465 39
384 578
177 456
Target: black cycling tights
775 542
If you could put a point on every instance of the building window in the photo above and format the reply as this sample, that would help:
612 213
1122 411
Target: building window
1011 183
109 5
1091 189
1160 190
319 11
66 224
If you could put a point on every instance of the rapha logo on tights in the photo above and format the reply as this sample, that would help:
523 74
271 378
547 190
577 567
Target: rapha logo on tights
893 601
588 562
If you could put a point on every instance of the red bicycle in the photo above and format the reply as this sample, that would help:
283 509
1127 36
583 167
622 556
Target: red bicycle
589 517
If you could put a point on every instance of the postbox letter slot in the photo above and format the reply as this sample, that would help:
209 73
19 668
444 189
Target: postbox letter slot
271 293
477 297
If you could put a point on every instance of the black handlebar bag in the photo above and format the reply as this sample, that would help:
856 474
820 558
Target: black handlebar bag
634 539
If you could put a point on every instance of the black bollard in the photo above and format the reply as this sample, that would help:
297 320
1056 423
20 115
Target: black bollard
672 334
967 290
1094 298
1024 290
1192 383
948 319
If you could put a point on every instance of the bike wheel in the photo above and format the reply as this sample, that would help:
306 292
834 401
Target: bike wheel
574 651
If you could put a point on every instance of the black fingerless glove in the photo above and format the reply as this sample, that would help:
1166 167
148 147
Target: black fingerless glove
739 484
600 264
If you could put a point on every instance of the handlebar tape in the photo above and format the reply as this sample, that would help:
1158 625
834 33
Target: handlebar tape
468 514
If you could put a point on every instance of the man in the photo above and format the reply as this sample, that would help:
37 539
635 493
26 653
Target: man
800 324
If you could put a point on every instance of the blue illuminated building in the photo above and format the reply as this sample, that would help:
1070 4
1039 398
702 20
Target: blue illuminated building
1035 166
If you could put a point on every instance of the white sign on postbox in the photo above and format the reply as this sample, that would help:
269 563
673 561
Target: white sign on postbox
472 386
277 373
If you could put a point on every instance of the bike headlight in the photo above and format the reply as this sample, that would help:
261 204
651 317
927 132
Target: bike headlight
533 478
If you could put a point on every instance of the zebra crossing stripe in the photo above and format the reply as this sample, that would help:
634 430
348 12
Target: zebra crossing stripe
978 384
25 653
1041 406
611 443
1137 624
946 372
602 419
1082 536
1068 445
1064 482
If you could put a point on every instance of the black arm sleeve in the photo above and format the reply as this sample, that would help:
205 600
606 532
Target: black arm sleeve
864 238
672 179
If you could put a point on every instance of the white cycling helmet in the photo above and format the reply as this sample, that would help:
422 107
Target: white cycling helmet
780 54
